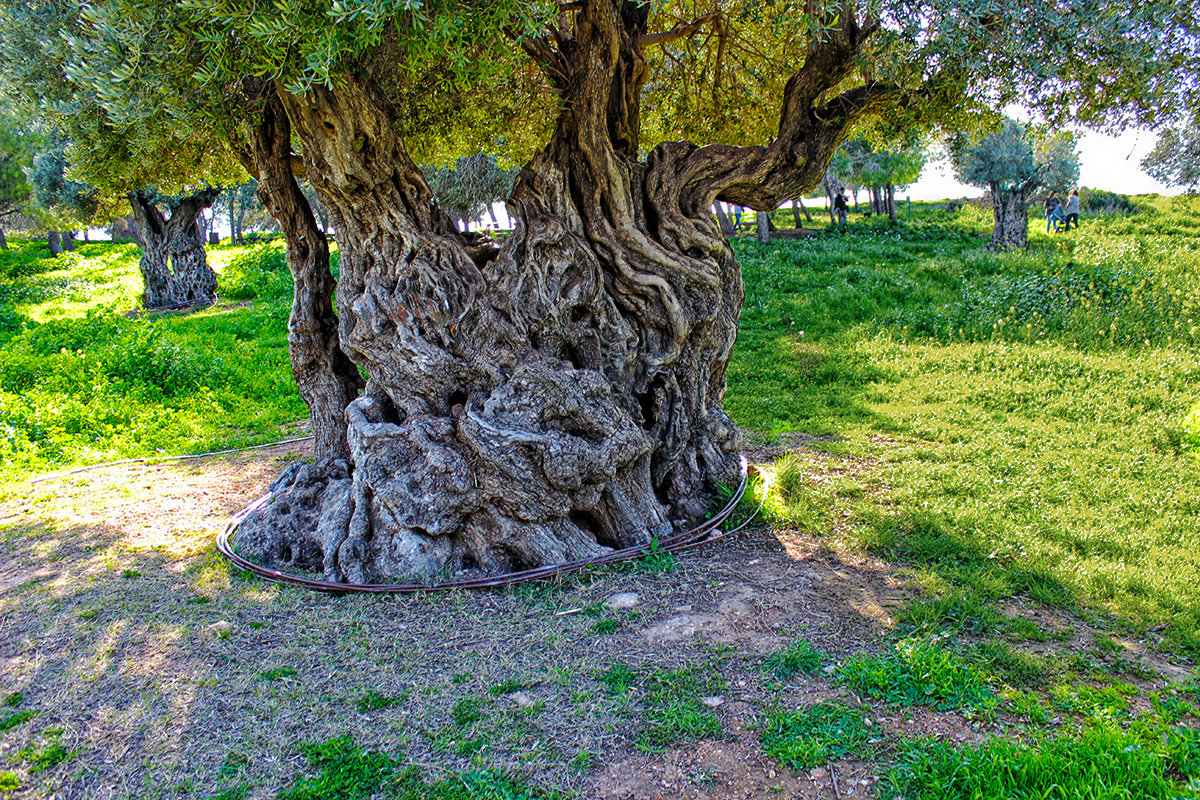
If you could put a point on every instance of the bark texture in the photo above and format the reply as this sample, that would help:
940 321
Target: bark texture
326 378
174 268
560 395
1011 230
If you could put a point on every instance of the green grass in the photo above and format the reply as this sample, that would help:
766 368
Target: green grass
1097 764
1033 416
799 657
817 735
341 769
919 672
82 381
671 701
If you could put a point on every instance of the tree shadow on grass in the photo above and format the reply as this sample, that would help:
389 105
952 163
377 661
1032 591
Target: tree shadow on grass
780 383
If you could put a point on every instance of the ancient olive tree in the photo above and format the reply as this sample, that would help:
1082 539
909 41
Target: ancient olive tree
561 394
1012 163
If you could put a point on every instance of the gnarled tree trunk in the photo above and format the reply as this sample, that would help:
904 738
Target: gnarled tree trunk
1011 229
326 378
174 268
561 395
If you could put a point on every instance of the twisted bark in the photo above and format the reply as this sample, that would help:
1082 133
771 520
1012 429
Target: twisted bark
560 395
174 268
327 380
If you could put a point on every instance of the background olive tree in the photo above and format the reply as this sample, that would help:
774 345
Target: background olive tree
1012 163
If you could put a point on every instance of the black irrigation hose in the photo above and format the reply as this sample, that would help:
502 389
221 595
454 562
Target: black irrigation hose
684 540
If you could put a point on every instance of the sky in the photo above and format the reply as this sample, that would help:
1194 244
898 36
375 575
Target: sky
1105 162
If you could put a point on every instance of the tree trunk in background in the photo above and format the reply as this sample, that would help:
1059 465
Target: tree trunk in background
797 207
54 239
891 201
68 241
121 228
723 219
762 223
3 241
326 378
560 395
173 264
86 234
233 194
1011 230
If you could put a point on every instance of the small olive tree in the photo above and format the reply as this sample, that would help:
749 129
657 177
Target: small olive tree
1012 163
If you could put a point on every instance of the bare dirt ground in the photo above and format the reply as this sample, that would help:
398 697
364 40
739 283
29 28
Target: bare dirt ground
164 674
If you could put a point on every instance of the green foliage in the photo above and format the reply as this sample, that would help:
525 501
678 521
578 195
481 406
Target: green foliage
1098 764
617 678
1028 410
259 273
919 672
79 381
372 700
670 699
471 186
1175 159
1017 156
859 163
343 770
673 706
816 735
798 657
1099 201
60 201
11 721
17 146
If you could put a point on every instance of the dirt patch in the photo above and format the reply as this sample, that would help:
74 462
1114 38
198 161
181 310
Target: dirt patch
163 673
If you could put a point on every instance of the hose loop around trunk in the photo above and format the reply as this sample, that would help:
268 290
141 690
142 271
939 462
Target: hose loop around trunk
705 532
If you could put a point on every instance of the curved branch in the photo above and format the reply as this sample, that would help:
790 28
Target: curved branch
681 31
809 130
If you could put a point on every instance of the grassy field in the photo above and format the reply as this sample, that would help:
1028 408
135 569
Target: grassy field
978 577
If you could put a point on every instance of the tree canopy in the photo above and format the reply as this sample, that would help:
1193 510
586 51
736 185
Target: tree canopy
1175 159
1016 156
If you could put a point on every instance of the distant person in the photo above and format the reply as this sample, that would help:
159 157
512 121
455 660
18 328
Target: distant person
737 218
1053 211
1072 209
840 207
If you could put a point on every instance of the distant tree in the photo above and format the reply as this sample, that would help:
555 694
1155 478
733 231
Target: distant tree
174 268
1012 163
880 169
60 203
467 191
17 145
237 202
1175 159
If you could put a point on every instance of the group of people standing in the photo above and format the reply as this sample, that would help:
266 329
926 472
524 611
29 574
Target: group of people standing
1060 216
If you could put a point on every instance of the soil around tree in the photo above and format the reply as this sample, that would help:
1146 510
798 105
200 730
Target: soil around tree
162 667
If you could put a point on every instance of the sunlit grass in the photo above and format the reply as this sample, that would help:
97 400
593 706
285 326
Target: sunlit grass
1032 415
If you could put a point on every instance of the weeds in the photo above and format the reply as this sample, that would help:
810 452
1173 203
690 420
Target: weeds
919 672
817 735
1099 764
798 657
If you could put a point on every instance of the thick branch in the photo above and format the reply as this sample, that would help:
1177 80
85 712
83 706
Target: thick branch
680 31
